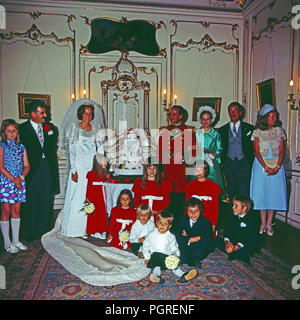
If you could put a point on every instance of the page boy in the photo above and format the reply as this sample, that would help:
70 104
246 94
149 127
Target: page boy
241 237
141 228
161 243
194 234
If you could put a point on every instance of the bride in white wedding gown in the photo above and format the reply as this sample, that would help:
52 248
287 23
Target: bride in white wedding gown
102 266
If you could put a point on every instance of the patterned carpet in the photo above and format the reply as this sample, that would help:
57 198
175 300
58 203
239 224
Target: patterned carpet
34 275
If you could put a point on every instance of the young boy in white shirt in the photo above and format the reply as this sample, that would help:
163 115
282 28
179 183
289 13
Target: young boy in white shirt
160 244
141 228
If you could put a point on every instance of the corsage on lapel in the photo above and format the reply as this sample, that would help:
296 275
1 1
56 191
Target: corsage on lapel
47 128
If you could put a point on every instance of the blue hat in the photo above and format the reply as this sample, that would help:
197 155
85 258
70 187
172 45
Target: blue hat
266 109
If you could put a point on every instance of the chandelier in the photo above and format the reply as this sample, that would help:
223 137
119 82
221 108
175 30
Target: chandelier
221 3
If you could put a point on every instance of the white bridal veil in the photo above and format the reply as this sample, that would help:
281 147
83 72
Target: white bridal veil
101 266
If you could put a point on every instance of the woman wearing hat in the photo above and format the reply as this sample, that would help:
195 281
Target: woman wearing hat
210 147
268 184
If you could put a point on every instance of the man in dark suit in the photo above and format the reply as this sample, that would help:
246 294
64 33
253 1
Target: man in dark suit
194 234
42 181
238 154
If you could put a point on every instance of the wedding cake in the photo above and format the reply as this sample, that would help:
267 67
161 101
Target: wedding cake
131 151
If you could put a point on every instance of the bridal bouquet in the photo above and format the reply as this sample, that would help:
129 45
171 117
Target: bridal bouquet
124 236
172 262
88 208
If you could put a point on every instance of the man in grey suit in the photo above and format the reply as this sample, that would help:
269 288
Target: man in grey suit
238 154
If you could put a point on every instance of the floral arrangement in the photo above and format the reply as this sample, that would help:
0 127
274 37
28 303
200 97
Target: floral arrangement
88 208
172 262
124 236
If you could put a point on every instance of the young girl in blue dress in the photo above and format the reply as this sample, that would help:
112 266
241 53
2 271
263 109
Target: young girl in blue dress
14 167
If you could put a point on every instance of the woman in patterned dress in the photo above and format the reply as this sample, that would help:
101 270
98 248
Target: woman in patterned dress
14 167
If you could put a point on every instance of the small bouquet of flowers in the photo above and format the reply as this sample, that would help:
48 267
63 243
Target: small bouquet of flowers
88 207
124 238
172 262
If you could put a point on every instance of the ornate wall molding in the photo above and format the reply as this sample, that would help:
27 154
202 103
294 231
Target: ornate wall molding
34 34
272 24
204 44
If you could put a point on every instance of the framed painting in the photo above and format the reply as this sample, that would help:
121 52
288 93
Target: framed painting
25 99
266 93
215 103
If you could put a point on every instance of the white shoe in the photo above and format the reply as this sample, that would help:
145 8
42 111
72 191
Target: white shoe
12 249
84 237
103 236
99 235
20 246
96 235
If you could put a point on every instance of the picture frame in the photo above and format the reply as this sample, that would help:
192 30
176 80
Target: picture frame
213 102
265 91
24 100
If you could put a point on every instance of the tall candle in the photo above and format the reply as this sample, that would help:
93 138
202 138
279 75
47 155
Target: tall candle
84 93
175 99
165 94
291 86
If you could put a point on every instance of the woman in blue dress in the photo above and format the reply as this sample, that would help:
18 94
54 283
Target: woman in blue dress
209 146
14 167
268 184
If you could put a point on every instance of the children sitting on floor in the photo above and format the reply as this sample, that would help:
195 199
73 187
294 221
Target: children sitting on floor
241 237
194 234
161 251
141 228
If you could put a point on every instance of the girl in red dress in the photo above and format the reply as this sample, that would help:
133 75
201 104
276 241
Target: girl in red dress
152 190
122 218
207 191
97 224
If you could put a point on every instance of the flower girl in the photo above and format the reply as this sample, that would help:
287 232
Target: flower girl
14 167
121 219
152 190
97 224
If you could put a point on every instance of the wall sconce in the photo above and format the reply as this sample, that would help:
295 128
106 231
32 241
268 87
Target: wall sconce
166 106
291 101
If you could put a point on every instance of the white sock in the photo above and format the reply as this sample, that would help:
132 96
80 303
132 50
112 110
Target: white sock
5 232
15 228
178 272
157 271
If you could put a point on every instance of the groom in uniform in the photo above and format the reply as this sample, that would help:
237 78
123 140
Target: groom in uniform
176 148
42 182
